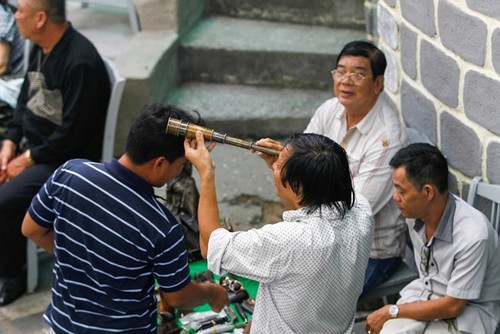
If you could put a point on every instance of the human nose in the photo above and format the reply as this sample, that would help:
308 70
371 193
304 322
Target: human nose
347 78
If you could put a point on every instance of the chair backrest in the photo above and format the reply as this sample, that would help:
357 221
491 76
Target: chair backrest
490 192
117 86
28 46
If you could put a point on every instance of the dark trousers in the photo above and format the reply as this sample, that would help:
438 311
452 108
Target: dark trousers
379 271
15 199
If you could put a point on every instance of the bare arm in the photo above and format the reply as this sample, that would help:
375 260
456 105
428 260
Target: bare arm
41 236
195 294
208 210
4 57
443 308
6 154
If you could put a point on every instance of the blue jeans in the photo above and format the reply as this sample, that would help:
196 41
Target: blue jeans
379 271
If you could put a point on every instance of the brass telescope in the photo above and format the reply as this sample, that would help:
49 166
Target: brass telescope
185 129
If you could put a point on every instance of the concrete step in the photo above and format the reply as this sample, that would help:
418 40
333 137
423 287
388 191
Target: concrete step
333 13
250 112
238 51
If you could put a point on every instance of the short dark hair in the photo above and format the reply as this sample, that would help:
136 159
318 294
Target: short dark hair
368 50
55 9
148 139
424 163
318 169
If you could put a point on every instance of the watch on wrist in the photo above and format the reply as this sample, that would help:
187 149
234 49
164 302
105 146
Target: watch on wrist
393 311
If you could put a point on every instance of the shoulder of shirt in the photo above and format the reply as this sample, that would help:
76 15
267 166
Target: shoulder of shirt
362 202
76 163
474 218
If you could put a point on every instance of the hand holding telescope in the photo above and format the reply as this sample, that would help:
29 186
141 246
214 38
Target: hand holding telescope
179 128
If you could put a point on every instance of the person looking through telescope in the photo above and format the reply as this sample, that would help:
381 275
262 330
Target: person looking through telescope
325 237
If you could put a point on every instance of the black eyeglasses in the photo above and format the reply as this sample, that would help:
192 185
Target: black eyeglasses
425 256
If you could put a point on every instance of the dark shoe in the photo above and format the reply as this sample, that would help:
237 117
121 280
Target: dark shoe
12 289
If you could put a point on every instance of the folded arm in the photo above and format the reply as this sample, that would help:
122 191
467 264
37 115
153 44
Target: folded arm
442 308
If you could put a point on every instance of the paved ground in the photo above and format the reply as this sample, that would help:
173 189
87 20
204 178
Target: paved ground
245 185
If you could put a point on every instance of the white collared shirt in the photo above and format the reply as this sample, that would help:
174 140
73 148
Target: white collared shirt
464 263
370 145
310 268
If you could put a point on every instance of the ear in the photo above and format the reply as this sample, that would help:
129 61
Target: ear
429 191
159 163
41 18
379 84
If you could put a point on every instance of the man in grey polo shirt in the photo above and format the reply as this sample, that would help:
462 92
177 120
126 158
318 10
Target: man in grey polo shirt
456 249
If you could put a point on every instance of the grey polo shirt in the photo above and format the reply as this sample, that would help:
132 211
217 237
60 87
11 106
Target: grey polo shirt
464 263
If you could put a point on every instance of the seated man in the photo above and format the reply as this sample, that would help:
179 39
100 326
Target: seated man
311 265
368 128
112 238
456 248
60 115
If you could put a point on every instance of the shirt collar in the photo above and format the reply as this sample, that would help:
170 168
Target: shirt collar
368 122
299 214
125 174
444 230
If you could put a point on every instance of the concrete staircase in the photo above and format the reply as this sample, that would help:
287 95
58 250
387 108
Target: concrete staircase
256 68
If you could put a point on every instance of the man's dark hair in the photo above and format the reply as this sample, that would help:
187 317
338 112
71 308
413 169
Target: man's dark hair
147 138
55 9
368 50
317 168
424 164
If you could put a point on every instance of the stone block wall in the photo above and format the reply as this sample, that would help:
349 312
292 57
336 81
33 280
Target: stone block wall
444 76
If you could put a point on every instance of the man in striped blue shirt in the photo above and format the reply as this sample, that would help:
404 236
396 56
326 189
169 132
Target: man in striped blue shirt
112 238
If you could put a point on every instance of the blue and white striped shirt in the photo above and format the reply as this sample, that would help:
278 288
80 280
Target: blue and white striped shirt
112 239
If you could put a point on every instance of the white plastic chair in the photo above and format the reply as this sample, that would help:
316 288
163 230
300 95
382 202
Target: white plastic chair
117 86
490 192
125 4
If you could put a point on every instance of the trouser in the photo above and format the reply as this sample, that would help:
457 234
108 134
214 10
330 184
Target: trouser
409 326
15 198
378 271
5 116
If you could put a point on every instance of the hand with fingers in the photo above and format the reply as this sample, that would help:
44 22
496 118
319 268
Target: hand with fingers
376 320
272 144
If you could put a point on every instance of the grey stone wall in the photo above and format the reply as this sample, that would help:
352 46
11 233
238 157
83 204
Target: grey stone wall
446 76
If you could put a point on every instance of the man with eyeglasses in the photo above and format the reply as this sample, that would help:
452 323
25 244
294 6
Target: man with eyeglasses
458 289
368 128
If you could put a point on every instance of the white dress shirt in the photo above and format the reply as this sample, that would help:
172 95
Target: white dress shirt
370 145
310 268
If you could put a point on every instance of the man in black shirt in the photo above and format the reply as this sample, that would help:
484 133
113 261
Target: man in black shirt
60 115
